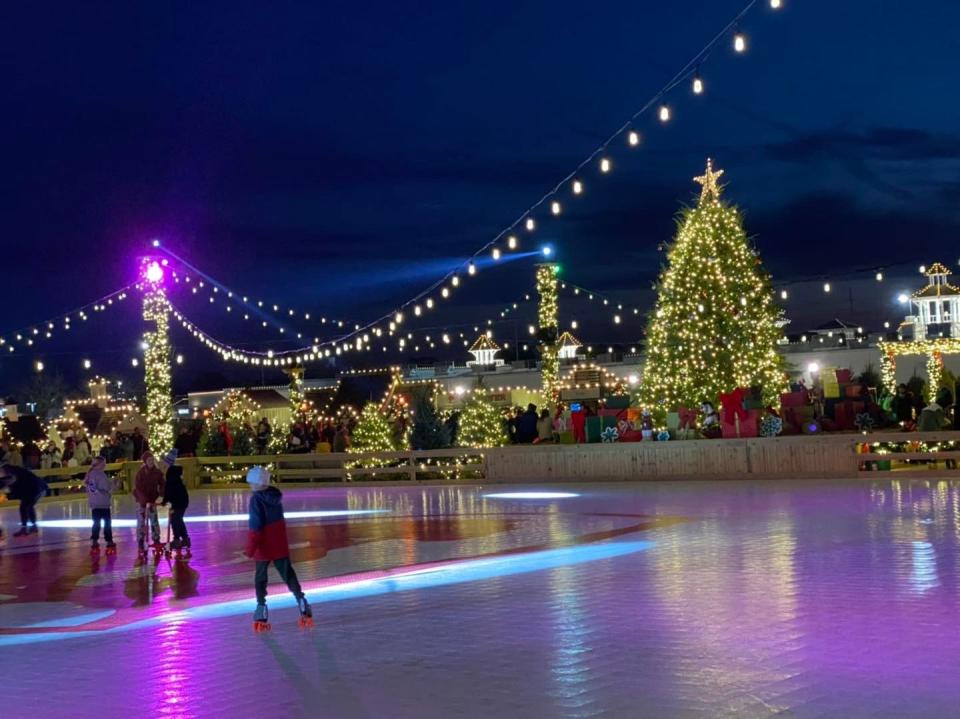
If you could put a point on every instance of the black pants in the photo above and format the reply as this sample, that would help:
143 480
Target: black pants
287 574
28 511
102 516
178 527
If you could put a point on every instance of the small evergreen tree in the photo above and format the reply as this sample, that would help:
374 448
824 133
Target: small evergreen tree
481 424
429 430
374 432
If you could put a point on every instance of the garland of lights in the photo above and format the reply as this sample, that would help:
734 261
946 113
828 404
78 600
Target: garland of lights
156 368
548 320
715 326
934 349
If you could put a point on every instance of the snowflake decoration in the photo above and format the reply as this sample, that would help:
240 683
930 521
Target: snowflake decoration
663 435
610 434
863 421
770 426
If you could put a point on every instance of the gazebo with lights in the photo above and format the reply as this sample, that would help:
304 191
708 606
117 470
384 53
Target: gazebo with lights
568 346
937 306
484 352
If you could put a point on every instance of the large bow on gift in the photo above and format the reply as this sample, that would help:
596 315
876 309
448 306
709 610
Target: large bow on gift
688 418
732 405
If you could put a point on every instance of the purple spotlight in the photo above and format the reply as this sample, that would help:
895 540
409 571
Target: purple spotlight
153 272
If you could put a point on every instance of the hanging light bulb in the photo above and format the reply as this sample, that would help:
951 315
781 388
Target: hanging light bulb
512 242
573 324
697 85
496 253
417 310
633 138
555 207
429 305
530 224
577 187
739 42
455 281
605 165
398 318
879 277
783 294
776 4
471 269
664 113
826 286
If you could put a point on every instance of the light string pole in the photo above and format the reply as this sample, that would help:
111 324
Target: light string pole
156 357
548 320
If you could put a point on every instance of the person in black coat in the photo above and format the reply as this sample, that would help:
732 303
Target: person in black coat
22 484
527 425
176 496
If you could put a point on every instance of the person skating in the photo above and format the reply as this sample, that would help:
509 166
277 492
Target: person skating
175 495
266 543
100 496
147 489
20 483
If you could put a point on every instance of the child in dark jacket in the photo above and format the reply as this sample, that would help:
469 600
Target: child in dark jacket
266 543
175 495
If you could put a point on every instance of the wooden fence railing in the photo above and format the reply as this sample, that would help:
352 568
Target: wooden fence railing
821 456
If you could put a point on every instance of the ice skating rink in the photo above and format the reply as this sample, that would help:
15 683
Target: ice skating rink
680 599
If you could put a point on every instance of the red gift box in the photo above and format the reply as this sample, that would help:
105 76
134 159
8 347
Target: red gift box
748 425
607 412
854 390
844 376
794 399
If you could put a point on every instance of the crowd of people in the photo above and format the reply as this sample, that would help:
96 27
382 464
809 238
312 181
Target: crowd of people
532 427
317 436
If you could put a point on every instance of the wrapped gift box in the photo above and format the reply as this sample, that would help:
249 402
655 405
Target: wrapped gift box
748 426
632 435
607 420
618 401
673 421
615 413
567 437
593 428
844 376
797 417
853 391
794 399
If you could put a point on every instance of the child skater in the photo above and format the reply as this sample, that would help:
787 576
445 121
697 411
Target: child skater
267 542
100 495
147 489
176 496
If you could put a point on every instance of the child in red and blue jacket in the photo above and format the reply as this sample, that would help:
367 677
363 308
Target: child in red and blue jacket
267 542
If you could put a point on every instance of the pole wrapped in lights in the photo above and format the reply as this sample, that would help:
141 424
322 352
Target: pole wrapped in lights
156 360
548 319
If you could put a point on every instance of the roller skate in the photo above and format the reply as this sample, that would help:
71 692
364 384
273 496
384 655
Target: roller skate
111 549
260 617
95 550
306 614
184 551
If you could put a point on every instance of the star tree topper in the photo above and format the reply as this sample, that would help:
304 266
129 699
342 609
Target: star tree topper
711 189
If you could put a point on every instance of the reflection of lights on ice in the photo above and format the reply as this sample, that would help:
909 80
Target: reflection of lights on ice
532 495
201 518
386 582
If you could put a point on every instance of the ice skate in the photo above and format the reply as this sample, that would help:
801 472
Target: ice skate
33 529
111 549
158 550
260 619
184 551
95 549
306 614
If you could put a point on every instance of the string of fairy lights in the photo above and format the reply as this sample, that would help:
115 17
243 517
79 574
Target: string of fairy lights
30 335
551 204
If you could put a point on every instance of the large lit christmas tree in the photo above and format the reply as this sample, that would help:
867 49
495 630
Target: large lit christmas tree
715 326
482 424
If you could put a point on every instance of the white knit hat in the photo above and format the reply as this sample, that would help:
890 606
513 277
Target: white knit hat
258 477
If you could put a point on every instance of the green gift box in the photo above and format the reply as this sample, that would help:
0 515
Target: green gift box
618 401
593 428
567 438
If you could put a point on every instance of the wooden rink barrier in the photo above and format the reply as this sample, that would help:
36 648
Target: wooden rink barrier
795 457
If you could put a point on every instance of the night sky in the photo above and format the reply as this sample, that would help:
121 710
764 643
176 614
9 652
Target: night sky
339 157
